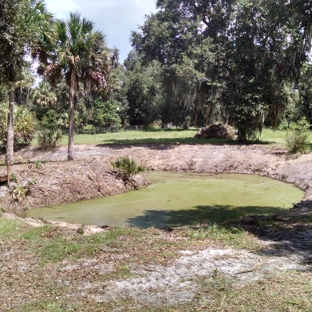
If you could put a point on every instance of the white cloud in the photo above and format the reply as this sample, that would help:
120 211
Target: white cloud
60 7
116 18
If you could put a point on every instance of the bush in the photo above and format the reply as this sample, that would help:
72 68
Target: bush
24 124
126 167
49 138
297 141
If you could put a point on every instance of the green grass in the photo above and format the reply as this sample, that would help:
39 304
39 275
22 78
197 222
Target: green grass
135 137
10 227
234 237
268 136
53 246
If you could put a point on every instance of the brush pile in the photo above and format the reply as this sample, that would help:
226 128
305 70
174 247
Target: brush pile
216 131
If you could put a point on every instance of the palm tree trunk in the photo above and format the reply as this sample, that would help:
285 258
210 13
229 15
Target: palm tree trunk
71 116
10 136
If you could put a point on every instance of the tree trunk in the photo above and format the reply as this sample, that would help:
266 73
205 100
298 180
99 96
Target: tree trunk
242 136
10 136
71 116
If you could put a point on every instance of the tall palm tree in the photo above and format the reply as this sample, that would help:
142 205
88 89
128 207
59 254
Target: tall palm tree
79 54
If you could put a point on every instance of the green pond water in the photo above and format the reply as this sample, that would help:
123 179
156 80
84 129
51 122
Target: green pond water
176 199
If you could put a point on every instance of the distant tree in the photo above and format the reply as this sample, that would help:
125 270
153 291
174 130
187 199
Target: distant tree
105 114
23 86
143 90
79 55
234 56
304 92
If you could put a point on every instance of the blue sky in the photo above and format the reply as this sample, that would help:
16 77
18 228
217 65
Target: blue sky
116 18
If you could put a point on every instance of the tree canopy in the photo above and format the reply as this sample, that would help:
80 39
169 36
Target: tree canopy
230 58
77 53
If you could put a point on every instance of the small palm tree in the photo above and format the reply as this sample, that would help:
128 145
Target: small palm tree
80 56
126 167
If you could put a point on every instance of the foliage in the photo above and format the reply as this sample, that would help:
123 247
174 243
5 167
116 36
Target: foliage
48 138
21 27
143 90
24 124
77 53
227 60
304 92
22 23
18 190
44 95
127 167
105 114
297 141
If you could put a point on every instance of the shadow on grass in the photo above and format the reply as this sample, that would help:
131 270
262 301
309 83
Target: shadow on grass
199 214
154 143
289 235
290 231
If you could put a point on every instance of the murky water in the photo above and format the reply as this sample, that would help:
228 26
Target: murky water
176 199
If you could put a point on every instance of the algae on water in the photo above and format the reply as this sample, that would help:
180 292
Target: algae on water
176 199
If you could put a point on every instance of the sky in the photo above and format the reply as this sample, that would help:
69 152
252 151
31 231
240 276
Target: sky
115 18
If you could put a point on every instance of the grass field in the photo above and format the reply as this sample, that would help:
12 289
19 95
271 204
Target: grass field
268 136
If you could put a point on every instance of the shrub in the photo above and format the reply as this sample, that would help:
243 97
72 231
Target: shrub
48 138
24 124
126 166
297 141
18 190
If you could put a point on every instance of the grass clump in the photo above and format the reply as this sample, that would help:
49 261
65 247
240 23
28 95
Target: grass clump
234 237
126 167
53 245
7 227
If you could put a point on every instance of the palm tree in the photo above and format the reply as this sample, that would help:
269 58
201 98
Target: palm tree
43 95
80 56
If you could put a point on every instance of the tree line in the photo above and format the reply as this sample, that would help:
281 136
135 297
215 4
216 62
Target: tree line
245 63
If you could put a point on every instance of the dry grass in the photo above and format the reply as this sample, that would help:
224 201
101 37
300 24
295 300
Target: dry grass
42 268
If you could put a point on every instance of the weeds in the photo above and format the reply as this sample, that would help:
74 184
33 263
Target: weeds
7 227
229 236
18 190
40 162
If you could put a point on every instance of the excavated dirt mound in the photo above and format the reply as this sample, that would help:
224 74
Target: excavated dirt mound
56 183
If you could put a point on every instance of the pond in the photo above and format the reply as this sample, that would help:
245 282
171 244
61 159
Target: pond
175 199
